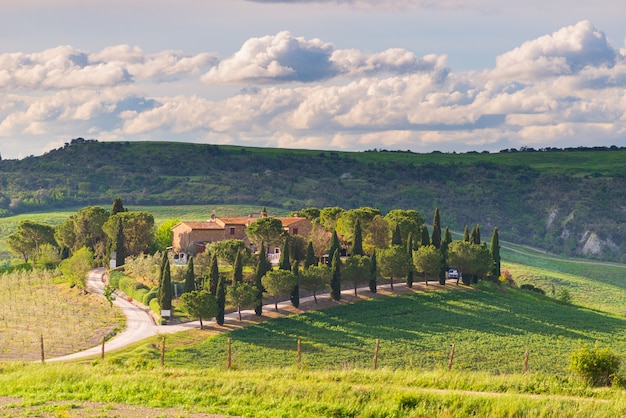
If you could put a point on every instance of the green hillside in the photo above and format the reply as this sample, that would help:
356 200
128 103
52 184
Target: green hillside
566 201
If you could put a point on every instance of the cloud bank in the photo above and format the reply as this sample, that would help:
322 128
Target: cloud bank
561 89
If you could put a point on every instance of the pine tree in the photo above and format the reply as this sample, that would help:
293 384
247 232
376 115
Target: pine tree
309 259
335 283
409 249
261 268
425 237
357 247
190 278
494 250
214 275
120 244
373 273
238 268
436 237
396 236
221 300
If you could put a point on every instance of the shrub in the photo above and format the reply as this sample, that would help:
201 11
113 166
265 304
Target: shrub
114 278
154 306
596 366
139 294
152 293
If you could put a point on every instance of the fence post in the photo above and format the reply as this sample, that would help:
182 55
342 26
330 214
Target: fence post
163 351
229 355
525 368
43 354
102 352
299 353
451 359
376 354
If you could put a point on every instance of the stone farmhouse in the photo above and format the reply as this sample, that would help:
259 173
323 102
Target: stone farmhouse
192 237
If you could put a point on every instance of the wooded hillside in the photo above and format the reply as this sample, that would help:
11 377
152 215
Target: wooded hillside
570 201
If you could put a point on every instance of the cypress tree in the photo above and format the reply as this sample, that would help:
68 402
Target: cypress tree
295 294
335 282
357 247
221 300
447 239
238 268
214 275
409 249
284 263
120 248
494 250
396 236
190 278
425 236
334 246
372 283
309 259
436 237
261 269
466 235
118 206
165 290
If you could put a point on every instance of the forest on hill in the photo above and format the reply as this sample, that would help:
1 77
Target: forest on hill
567 201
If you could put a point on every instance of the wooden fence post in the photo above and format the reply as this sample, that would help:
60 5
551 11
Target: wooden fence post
525 368
376 354
299 353
163 351
43 354
229 355
102 352
451 359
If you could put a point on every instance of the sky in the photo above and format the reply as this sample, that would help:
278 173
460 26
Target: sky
418 75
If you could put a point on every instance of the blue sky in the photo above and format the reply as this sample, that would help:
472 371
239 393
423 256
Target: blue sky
420 75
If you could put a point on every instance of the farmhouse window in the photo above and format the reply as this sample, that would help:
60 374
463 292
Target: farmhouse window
295 231
232 231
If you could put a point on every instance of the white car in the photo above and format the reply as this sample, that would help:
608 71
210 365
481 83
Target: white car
452 273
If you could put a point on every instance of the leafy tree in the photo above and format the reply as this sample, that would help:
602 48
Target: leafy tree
165 289
346 223
138 231
356 270
357 245
279 284
310 259
396 236
494 250
28 237
118 206
297 249
221 300
88 232
190 277
377 235
48 256
393 262
373 273
425 236
436 236
242 295
199 304
315 279
329 216
76 267
238 269
228 250
427 260
320 239
261 268
312 214
335 281
267 230
214 276
163 235
409 221
469 259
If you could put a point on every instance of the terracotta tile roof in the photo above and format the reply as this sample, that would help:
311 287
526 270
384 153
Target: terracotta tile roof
202 225
290 220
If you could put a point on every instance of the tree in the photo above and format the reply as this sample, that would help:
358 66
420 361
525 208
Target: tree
466 235
88 232
373 273
297 249
138 231
315 279
320 239
329 216
242 295
267 230
494 250
238 269
393 262
377 235
469 259
163 234
425 240
335 247
190 277
410 222
312 214
28 237
119 245
310 259
214 275
118 206
356 270
165 289
335 281
596 366
221 300
475 235
228 250
396 236
261 268
409 251
284 262
279 284
436 236
346 223
199 304
76 267
427 260
357 245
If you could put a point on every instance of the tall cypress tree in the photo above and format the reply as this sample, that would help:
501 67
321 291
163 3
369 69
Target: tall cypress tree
425 236
190 278
118 206
261 268
221 300
334 246
284 263
409 249
238 268
295 294
494 250
436 237
120 247
396 236
447 239
309 259
214 275
165 291
373 273
466 235
335 282
357 246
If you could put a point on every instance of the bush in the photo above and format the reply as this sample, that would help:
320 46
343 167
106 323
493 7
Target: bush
596 366
139 294
152 294
114 278
154 306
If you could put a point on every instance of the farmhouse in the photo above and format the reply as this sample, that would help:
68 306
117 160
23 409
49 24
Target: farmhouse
192 236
